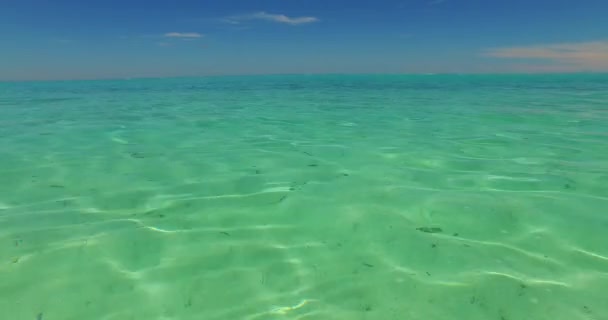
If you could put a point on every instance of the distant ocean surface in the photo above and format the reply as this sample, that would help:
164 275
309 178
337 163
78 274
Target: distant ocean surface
305 197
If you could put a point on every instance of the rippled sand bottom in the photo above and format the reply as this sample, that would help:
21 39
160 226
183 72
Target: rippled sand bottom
374 202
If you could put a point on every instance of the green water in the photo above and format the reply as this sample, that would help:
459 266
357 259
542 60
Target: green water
305 197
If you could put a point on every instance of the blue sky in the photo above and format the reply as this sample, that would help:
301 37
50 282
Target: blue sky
68 39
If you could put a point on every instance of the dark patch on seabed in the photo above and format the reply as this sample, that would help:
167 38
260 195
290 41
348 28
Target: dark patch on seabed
430 229
136 155
297 185
152 213
587 310
188 303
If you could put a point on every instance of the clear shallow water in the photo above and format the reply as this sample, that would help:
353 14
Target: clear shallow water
305 197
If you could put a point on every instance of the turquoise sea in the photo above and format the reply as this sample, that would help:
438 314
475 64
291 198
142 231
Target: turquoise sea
305 197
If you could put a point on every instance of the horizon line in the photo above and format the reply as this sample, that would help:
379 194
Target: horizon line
505 73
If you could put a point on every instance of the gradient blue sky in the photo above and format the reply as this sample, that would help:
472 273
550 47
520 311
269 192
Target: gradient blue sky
68 39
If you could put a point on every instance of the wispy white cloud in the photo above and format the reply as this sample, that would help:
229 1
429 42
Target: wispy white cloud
581 56
279 18
183 35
